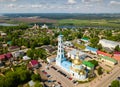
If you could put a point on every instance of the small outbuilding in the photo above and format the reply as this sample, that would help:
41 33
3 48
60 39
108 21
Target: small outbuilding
91 49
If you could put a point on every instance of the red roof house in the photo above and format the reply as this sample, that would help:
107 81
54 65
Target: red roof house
8 55
34 63
2 57
117 57
104 54
117 53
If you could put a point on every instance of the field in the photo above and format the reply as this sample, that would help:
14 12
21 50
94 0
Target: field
83 20
101 22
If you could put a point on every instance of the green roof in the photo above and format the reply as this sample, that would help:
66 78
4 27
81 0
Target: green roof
109 58
9 42
84 38
89 64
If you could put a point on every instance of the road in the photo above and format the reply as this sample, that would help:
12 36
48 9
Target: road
106 80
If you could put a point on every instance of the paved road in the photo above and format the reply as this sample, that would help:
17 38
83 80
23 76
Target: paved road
105 81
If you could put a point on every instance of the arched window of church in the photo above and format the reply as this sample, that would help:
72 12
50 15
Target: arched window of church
58 56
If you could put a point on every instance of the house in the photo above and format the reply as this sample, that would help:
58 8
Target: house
72 54
2 57
117 53
108 60
35 27
13 48
9 42
85 39
33 64
51 58
3 34
26 58
17 54
68 43
49 49
91 49
31 83
44 26
88 65
116 57
108 43
104 54
8 55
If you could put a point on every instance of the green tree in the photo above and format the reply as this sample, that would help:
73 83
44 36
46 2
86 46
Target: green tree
99 46
94 62
115 83
100 71
38 84
30 53
117 48
35 77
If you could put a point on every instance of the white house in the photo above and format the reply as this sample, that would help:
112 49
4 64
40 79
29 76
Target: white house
108 43
68 43
26 58
44 26
72 54
51 58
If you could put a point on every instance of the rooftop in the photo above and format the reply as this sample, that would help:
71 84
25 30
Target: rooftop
2 56
89 64
74 52
34 62
8 55
51 57
91 48
85 38
117 57
109 58
110 42
104 54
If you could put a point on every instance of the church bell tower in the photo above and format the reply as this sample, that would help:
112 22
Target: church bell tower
60 53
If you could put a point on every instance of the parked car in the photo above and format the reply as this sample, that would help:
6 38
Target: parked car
118 78
53 67
70 78
59 83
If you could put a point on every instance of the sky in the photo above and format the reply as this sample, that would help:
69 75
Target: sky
59 6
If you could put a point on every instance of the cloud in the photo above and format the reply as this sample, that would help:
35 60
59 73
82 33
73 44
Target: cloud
8 0
11 6
114 3
71 2
36 6
89 1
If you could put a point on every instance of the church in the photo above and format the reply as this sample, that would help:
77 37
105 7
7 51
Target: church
75 68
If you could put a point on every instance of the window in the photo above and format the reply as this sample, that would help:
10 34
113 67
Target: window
58 56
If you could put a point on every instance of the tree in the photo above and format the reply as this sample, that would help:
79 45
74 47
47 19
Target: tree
35 77
99 46
115 83
117 48
100 71
30 53
94 41
19 76
94 62
37 84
